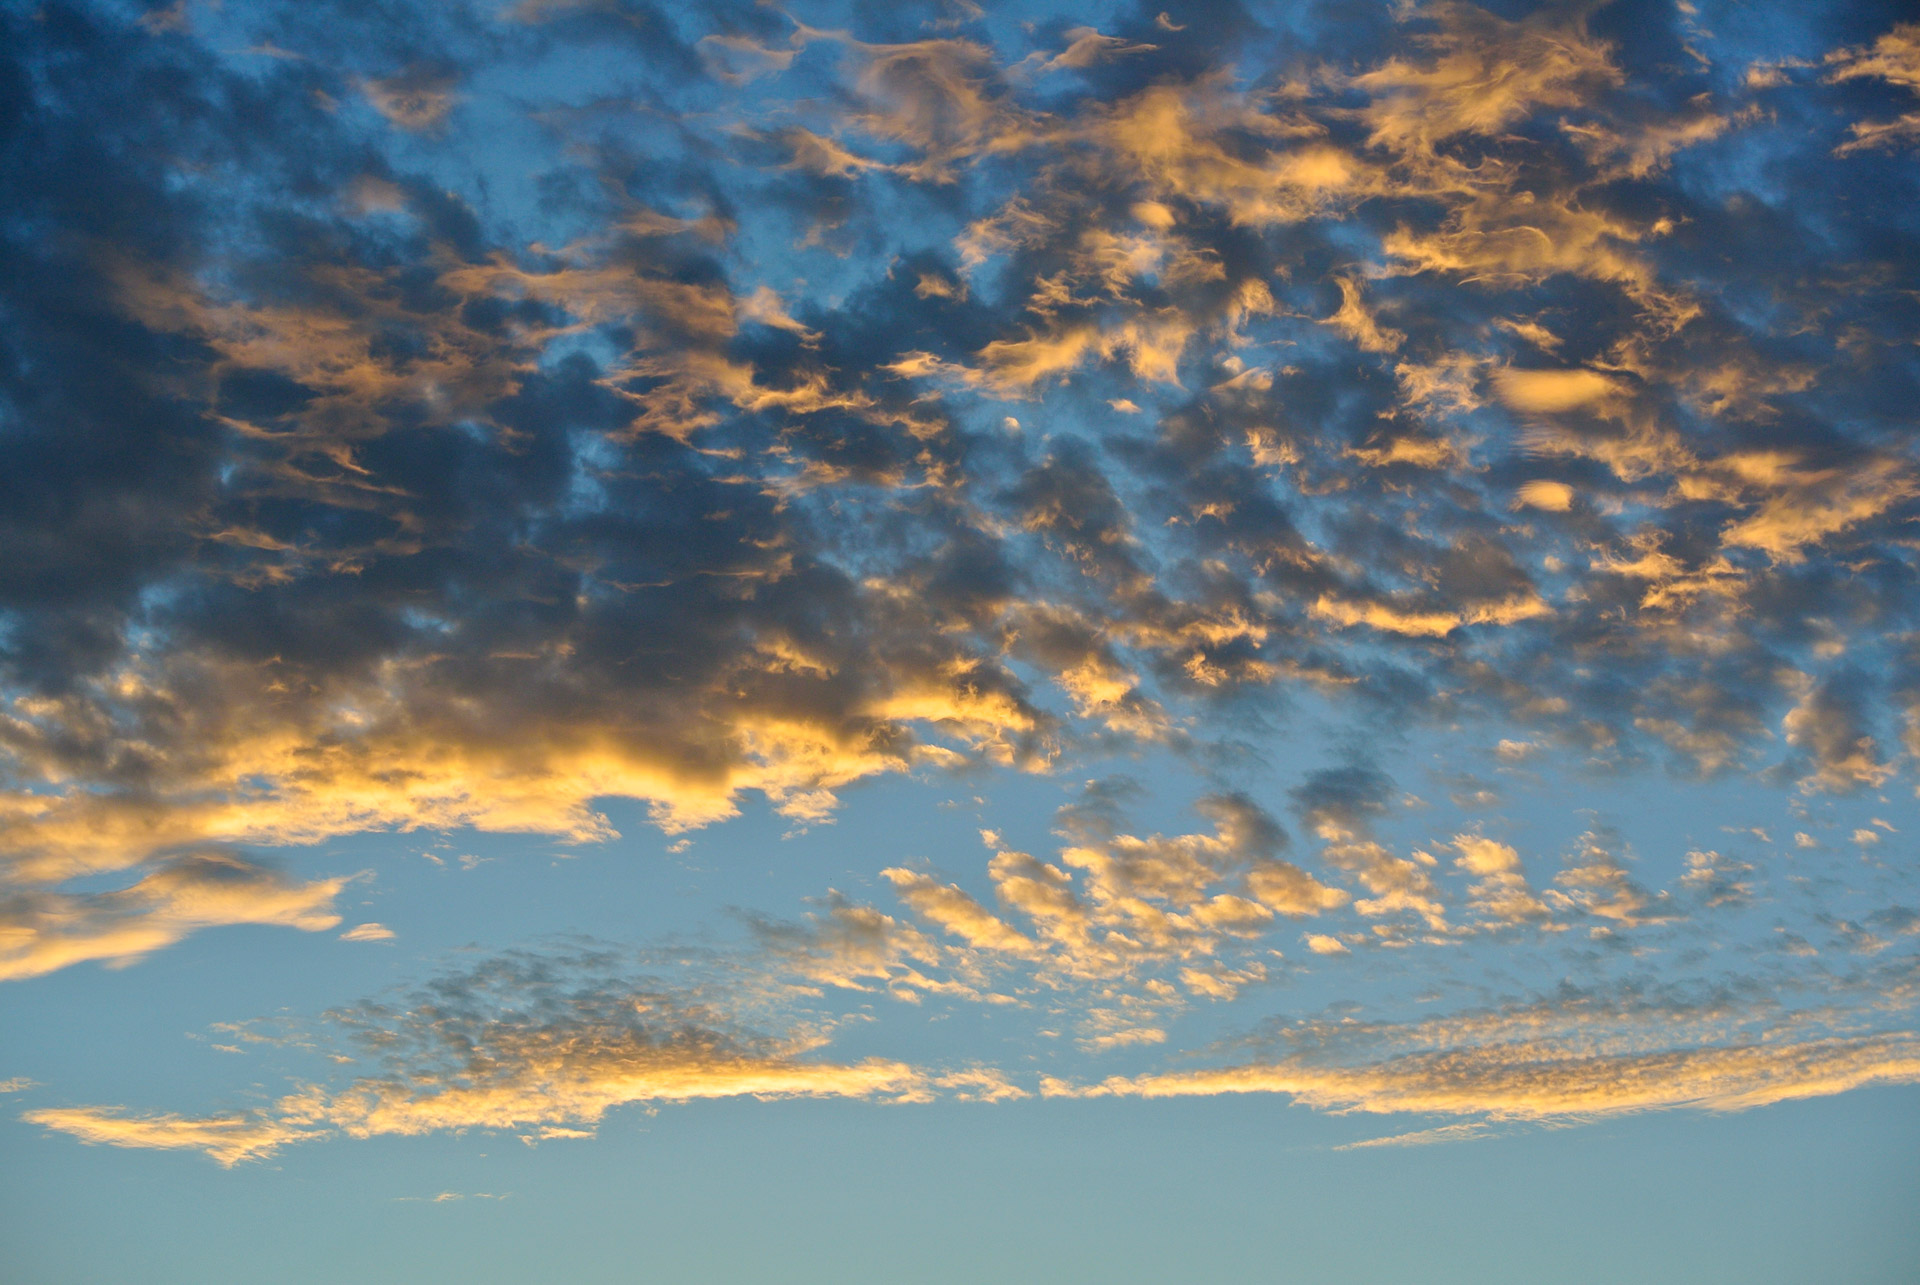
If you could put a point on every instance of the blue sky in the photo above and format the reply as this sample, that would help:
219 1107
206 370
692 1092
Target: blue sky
860 641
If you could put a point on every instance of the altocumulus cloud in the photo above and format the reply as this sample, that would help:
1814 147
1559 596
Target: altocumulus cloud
1112 387
539 1046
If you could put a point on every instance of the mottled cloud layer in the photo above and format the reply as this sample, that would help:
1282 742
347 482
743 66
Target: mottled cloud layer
462 414
538 1046
544 1046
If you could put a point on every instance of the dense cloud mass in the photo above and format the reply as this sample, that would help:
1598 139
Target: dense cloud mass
417 416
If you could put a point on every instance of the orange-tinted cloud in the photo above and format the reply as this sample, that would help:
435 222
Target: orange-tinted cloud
42 931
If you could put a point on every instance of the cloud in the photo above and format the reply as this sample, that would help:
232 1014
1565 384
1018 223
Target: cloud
1354 321
228 1139
1717 878
1809 506
1342 805
1596 882
1830 726
1482 75
1500 894
1087 48
538 1045
1544 493
1117 903
1553 391
417 99
806 407
851 944
1893 57
1148 923
951 908
463 530
43 931
1574 1058
572 1074
545 1046
1421 1137
1528 1082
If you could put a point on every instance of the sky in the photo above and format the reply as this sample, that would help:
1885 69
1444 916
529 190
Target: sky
922 641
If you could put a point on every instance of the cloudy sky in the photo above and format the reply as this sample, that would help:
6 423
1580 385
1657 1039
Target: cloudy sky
926 641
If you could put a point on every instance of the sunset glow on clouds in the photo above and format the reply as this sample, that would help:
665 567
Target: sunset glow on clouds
1355 557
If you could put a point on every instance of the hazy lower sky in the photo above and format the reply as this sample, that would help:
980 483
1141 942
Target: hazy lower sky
927 642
